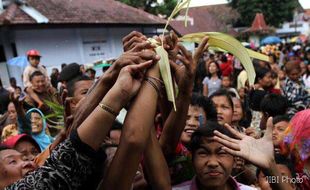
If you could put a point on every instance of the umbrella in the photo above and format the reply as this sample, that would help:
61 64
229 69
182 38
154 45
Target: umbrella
21 62
271 40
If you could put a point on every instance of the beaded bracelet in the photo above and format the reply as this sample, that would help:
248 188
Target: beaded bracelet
148 80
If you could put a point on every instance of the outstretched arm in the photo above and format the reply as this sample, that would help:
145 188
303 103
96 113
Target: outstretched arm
105 83
185 74
24 124
155 164
135 135
258 151
126 86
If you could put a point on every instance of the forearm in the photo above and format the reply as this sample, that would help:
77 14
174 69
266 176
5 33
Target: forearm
92 100
155 164
205 90
135 134
95 128
174 125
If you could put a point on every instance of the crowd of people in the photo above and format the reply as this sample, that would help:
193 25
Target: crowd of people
119 131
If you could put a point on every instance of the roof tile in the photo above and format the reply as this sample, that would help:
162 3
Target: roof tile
87 12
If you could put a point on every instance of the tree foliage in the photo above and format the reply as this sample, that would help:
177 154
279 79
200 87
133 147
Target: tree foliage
275 11
152 6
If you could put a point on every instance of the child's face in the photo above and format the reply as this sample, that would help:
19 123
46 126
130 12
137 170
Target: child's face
34 61
294 75
241 92
274 81
262 179
278 132
226 82
224 109
266 81
194 114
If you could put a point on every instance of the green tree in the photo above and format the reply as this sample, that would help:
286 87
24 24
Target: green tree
152 6
275 11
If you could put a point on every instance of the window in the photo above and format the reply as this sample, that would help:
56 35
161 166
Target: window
2 54
14 50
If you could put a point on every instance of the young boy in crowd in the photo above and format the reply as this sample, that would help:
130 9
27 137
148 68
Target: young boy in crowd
280 123
272 105
34 56
285 167
294 89
200 110
212 165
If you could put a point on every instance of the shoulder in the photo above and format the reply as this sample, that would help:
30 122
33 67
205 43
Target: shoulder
27 69
206 79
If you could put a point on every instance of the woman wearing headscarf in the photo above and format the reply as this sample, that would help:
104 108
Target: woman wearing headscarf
37 123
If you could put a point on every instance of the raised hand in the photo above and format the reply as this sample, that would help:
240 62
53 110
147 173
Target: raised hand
17 101
129 58
258 151
203 46
130 78
135 42
184 73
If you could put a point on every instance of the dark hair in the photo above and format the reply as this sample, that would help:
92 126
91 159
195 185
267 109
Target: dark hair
69 72
223 58
281 160
34 74
274 75
206 131
92 71
3 147
1 83
255 99
219 71
274 104
291 65
206 104
63 65
260 73
199 76
280 118
18 87
72 82
12 79
223 92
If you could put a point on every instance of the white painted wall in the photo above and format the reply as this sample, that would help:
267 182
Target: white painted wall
301 26
81 45
303 29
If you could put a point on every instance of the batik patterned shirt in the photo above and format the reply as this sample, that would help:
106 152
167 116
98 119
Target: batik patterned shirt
68 167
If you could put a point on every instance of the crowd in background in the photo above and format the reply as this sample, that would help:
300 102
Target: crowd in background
73 130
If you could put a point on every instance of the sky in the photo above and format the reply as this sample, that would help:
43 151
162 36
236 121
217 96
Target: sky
304 3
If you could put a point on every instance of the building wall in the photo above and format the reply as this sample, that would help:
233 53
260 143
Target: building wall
81 45
298 25
301 27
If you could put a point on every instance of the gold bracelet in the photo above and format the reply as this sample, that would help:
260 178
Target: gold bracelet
108 109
